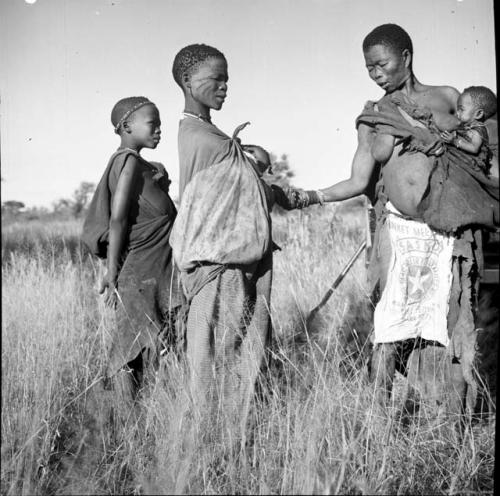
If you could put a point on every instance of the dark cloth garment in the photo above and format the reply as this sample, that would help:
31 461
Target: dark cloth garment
483 156
478 126
148 285
387 117
459 193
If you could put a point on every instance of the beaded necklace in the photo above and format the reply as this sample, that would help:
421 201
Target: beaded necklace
197 116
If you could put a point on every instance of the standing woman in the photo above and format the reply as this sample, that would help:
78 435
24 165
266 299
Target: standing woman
426 258
228 278
129 223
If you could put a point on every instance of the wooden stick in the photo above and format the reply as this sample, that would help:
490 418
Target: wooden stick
337 281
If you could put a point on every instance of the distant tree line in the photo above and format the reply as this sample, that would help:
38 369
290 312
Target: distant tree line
64 208
76 206
282 173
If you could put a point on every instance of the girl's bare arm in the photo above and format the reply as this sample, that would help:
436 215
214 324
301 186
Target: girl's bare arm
118 226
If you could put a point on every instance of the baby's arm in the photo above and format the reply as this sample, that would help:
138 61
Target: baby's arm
471 144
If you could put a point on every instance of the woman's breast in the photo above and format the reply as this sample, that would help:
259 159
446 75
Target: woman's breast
445 121
157 198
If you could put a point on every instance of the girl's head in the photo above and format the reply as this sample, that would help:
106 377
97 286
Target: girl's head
137 120
201 72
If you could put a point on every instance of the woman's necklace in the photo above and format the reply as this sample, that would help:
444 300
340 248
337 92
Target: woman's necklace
129 149
197 116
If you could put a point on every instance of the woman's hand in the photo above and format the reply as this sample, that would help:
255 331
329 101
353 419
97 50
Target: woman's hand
107 285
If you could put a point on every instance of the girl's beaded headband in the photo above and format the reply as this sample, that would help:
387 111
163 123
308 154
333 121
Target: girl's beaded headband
129 112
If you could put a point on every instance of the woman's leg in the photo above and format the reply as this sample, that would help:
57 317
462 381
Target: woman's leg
383 367
257 339
383 361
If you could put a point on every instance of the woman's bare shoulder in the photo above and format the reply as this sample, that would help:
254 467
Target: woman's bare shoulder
447 93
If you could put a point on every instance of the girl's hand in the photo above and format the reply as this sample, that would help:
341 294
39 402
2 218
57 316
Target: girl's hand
107 286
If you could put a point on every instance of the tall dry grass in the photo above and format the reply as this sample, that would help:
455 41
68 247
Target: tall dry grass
315 425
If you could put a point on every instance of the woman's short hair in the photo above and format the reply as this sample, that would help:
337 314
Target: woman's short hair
389 35
189 58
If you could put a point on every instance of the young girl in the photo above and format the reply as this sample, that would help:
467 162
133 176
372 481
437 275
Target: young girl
129 223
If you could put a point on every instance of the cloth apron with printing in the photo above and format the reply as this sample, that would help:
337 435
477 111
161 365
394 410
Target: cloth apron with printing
414 302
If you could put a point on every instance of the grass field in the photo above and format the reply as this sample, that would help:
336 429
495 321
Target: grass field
317 430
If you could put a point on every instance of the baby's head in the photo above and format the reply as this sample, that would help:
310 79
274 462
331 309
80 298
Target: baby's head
476 103
137 119
259 156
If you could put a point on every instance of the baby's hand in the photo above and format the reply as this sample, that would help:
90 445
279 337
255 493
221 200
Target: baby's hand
447 137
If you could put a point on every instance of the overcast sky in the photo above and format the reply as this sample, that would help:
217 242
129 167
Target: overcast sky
296 71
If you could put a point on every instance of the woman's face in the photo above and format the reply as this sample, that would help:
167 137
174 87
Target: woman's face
388 68
208 84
